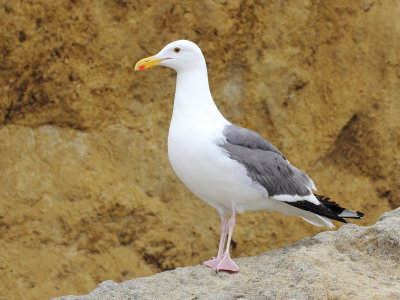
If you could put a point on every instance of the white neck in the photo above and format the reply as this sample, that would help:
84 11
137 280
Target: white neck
193 97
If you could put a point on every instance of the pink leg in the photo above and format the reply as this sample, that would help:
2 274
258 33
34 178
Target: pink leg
224 230
226 263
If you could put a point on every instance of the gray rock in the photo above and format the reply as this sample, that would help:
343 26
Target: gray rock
354 262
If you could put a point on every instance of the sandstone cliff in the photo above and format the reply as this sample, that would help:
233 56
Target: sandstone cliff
86 190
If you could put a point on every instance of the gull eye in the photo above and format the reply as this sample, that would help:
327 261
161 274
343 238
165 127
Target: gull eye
177 50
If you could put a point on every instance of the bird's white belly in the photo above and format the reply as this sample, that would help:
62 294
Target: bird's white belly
209 173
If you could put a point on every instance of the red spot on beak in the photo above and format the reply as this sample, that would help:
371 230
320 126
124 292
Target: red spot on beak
142 67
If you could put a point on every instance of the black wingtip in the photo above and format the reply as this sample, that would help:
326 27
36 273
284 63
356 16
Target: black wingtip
319 209
328 209
337 209
351 214
359 214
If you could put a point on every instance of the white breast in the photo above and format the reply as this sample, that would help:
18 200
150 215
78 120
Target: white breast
205 168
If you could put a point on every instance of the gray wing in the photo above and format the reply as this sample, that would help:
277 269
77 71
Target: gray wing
264 163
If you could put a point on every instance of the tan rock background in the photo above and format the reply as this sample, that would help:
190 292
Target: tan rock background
86 190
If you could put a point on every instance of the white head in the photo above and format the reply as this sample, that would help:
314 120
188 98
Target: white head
179 55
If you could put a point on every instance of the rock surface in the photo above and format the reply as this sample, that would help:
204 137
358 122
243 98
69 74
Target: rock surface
353 263
86 190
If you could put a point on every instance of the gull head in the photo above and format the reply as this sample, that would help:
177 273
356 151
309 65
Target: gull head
179 55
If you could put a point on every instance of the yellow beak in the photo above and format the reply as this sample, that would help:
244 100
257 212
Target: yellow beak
147 62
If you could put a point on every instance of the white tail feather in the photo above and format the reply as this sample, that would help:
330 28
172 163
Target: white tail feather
317 220
348 214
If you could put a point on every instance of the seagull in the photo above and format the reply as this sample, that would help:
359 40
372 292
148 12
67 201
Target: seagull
231 168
